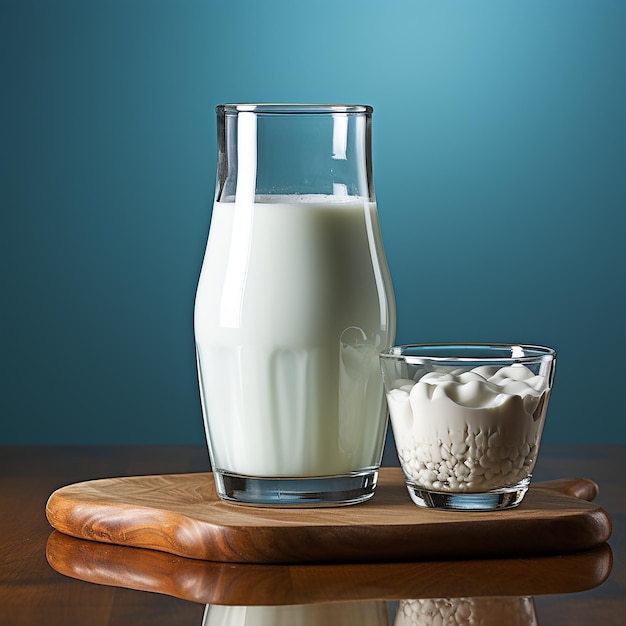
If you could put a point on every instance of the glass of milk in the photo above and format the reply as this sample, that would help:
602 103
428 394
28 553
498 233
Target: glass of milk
364 613
467 420
293 306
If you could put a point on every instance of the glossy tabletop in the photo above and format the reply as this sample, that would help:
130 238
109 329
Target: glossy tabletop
49 578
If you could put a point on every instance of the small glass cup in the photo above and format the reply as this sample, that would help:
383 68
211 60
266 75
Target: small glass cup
467 420
487 611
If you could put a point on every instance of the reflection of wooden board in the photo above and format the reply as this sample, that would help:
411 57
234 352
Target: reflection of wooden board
181 514
250 584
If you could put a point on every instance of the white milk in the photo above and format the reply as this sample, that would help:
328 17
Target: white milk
294 304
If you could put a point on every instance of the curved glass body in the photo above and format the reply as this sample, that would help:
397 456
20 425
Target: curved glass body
293 306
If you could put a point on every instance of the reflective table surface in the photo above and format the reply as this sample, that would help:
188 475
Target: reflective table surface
50 578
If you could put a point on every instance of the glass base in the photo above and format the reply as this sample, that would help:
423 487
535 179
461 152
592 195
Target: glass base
297 492
493 500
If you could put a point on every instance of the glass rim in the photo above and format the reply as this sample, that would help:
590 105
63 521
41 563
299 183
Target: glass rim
292 108
442 353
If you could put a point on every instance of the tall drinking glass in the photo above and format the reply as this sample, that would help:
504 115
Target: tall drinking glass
293 306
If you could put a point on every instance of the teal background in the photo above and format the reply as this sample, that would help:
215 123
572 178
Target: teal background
499 168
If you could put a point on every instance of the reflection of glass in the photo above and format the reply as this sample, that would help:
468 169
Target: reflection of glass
293 304
349 594
328 614
495 611
518 611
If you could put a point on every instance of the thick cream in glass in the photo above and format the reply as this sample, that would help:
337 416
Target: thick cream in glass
467 420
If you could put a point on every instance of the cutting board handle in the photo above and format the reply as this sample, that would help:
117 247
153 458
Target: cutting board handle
581 488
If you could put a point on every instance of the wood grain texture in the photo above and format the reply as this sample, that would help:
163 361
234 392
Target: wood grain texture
32 592
182 515
249 584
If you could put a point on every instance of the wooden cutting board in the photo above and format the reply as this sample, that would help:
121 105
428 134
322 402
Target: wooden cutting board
182 514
